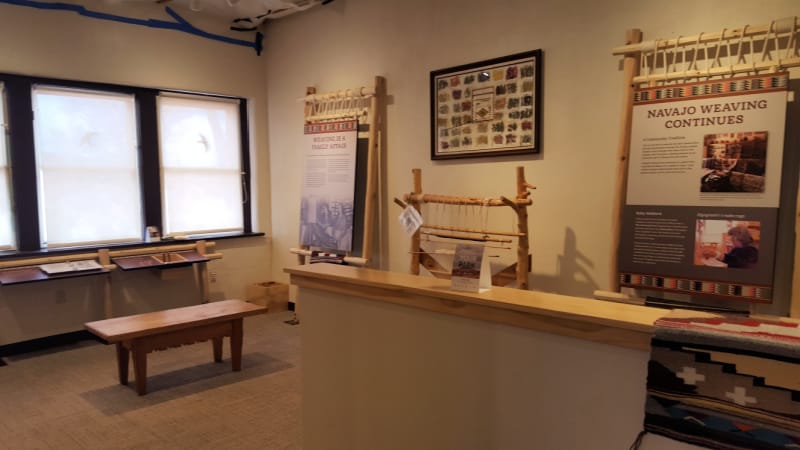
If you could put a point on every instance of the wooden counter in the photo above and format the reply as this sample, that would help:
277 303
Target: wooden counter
397 361
619 324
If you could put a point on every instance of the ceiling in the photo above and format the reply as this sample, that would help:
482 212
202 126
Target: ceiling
255 10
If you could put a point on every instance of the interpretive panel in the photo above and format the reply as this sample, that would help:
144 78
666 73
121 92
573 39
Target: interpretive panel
704 187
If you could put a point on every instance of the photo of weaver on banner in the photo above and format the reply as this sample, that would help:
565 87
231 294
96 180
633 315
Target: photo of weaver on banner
734 162
727 243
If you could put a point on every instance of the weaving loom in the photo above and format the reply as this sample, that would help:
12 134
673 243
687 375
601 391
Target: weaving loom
724 382
516 272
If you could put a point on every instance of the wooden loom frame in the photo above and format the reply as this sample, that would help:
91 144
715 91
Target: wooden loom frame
358 103
519 204
660 62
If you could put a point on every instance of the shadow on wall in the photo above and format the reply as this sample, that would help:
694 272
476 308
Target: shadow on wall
572 272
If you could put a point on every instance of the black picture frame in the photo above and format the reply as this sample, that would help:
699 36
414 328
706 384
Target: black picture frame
487 108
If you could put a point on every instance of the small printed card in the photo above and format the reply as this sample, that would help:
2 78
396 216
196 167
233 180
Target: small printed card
410 219
471 270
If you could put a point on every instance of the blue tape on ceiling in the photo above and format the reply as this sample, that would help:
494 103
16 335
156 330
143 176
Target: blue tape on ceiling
180 25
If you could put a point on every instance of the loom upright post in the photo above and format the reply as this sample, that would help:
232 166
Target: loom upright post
630 69
415 202
523 244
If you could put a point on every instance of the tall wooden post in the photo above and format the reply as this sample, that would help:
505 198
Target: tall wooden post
523 245
415 239
794 302
371 193
630 70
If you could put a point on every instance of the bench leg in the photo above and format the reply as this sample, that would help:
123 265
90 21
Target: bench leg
236 344
122 363
217 343
140 369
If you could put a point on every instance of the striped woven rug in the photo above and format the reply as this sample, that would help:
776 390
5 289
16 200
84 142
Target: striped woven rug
725 382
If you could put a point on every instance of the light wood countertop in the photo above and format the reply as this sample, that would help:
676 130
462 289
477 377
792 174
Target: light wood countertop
619 324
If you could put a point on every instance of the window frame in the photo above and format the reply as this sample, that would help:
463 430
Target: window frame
6 168
166 97
22 159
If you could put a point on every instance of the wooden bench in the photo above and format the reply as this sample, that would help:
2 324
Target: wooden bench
141 334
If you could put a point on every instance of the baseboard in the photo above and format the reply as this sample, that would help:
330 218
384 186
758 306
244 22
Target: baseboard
45 343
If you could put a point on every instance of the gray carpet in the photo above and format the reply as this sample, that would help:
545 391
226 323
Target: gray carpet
70 397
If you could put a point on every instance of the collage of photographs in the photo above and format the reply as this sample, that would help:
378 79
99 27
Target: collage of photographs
486 108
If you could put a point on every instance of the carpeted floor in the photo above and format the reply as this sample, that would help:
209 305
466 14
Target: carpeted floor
70 397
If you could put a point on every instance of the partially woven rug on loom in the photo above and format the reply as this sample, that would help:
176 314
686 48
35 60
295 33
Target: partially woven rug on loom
725 382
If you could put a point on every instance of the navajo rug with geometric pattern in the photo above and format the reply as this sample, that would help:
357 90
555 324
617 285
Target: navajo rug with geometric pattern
725 382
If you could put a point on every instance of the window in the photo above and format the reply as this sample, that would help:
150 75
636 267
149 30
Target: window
7 238
87 167
85 164
201 167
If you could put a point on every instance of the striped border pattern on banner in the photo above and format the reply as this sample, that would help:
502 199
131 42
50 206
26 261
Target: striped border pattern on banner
762 294
712 88
330 127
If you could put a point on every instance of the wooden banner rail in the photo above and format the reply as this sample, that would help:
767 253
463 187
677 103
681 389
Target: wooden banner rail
364 104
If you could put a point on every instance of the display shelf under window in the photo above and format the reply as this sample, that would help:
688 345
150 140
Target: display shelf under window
161 260
32 274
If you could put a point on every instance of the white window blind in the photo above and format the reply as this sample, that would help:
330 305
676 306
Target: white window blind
201 168
7 237
87 167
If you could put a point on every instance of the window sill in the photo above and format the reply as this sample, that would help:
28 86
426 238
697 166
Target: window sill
13 254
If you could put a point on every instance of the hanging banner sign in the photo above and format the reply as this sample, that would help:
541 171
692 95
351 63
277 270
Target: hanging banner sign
704 180
326 208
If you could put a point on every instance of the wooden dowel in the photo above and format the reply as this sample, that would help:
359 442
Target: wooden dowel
464 237
16 263
352 260
466 201
342 95
157 249
400 203
471 230
428 239
447 253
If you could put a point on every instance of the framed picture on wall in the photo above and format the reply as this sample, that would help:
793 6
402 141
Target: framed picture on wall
487 108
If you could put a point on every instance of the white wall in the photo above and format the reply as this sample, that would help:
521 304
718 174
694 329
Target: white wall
66 45
347 42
